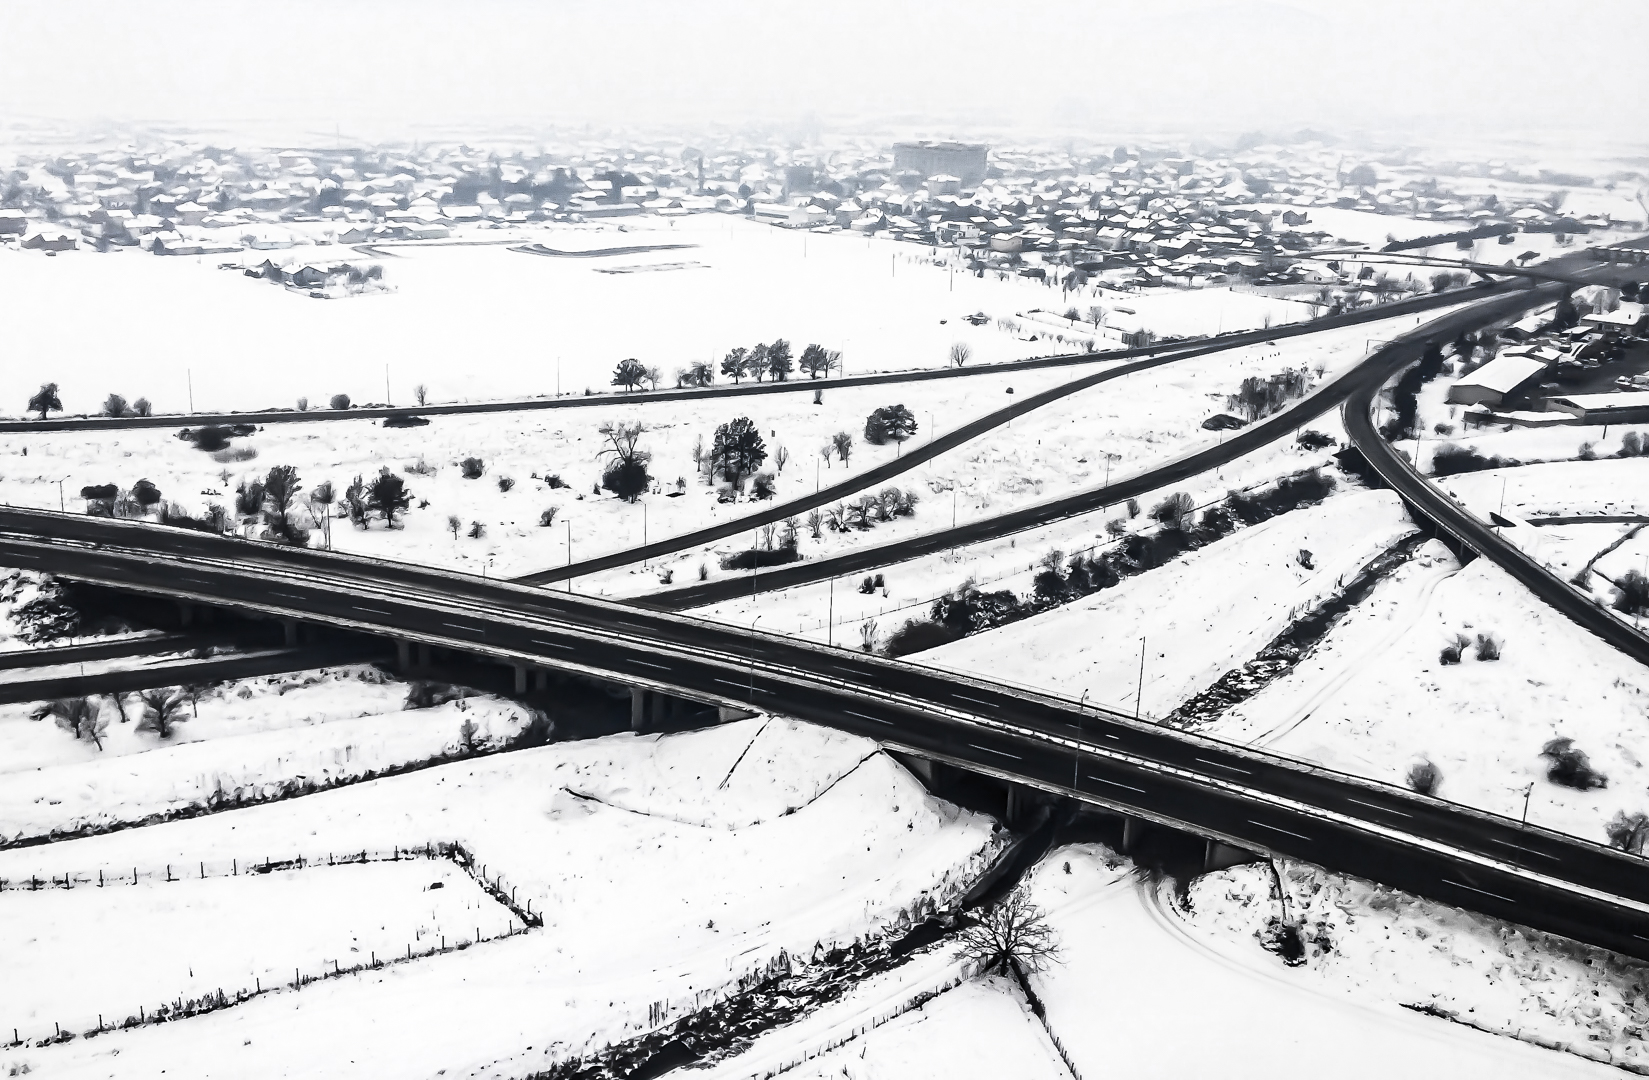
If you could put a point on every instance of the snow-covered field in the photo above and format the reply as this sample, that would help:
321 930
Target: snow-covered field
75 956
1388 948
1374 697
1141 419
663 873
482 321
1199 616
1144 991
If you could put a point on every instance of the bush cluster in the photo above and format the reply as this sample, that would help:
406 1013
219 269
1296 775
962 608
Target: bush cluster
968 610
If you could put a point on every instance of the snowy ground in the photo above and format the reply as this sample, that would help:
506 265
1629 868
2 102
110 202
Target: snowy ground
982 1030
882 303
74 956
659 883
244 707
1200 616
1374 697
1141 419
1388 948
1140 992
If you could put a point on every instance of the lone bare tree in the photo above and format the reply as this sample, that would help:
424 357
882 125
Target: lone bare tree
421 393
626 472
46 400
780 456
1012 938
959 353
79 716
842 443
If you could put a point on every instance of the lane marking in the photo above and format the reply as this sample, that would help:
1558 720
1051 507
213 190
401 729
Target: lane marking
974 701
1376 806
552 644
1475 889
1222 765
862 716
656 667
1285 832
1001 753
1113 783
465 629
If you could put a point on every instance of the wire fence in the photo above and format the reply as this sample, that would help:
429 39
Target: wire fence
523 919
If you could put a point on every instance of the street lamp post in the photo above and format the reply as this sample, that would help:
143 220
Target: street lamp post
1076 759
830 616
753 623
1528 791
1140 689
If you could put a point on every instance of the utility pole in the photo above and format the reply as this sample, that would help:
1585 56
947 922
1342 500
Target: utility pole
830 616
388 400
1528 791
60 507
189 374
569 525
1140 689
1076 759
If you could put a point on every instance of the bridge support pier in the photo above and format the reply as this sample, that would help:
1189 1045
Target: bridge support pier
403 655
186 613
289 631
520 678
541 680
638 709
423 655
1217 855
1132 829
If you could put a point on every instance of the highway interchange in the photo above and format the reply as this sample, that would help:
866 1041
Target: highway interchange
1246 797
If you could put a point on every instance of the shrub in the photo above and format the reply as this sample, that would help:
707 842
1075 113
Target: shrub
917 635
303 404
1116 527
1452 652
477 530
761 486
704 572
546 517
472 468
1570 767
1442 428
1450 460
1631 444
756 557
235 455
405 421
893 422
425 694
1314 440
1633 593
1172 511
554 481
419 468
505 483
48 616
1588 451
1488 647
626 479
1628 831
1424 777
340 402
114 405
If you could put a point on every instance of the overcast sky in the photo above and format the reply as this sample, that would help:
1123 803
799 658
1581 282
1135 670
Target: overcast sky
380 67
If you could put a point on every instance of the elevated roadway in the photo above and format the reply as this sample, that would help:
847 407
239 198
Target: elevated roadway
1248 798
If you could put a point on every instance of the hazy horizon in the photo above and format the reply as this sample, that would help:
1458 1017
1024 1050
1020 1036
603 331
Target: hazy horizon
377 69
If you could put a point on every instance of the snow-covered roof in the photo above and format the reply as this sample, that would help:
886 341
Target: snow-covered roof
1505 373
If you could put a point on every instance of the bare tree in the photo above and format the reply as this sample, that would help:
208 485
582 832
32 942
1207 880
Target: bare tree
959 353
842 443
867 635
1012 938
162 709
827 451
420 393
780 456
79 716
1096 314
454 523
815 523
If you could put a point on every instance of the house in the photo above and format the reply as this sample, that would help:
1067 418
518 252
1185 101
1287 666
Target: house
1628 317
1497 380
1624 408
47 238
13 223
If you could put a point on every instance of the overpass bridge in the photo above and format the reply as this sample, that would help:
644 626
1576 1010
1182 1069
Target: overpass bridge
1236 795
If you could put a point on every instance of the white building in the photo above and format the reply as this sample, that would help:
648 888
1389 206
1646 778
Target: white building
1497 380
